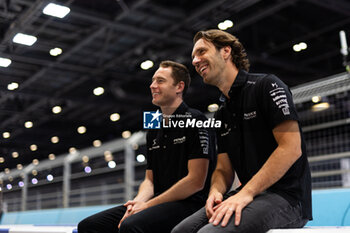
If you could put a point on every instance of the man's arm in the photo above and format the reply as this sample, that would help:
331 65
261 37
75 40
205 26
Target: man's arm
146 190
221 181
288 138
190 184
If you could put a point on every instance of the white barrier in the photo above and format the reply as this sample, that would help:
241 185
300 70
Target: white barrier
73 229
313 230
37 229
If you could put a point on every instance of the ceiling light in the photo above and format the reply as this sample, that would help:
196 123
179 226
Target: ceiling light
114 117
343 43
107 152
135 146
108 156
56 10
225 25
99 91
7 170
72 150
55 139
34 181
6 134
97 143
316 99
12 86
296 48
56 109
299 47
320 107
303 45
2 160
52 156
28 124
126 134
146 65
34 172
19 166
85 159
87 169
10 178
81 129
33 147
15 154
111 164
140 158
213 107
24 39
49 177
35 161
5 62
55 52
9 186
21 184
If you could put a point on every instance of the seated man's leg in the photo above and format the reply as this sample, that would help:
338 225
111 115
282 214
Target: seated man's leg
267 211
192 223
159 219
103 222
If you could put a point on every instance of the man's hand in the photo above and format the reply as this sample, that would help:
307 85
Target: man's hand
213 200
138 206
128 206
234 204
133 207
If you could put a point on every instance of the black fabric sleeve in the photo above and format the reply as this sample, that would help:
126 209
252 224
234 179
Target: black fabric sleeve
198 142
220 134
149 151
276 101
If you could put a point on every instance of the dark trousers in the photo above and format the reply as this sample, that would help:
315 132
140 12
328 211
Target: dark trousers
161 218
267 211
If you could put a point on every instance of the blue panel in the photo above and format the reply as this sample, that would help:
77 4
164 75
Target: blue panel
4 230
9 218
331 207
75 215
39 217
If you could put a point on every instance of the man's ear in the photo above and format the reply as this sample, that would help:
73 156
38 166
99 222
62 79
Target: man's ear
180 87
226 52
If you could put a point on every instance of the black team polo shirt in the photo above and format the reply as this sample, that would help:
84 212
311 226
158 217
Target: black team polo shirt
257 104
170 149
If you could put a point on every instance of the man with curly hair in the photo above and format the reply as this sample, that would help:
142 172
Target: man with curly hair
260 140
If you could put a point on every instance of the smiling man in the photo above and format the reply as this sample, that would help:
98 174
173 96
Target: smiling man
260 139
180 162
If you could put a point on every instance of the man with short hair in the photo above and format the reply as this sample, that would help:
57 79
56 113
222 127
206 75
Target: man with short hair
260 139
179 165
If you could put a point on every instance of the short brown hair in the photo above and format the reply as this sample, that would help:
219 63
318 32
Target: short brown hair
179 73
221 39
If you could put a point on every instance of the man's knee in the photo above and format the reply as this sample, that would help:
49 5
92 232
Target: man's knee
129 225
180 228
86 225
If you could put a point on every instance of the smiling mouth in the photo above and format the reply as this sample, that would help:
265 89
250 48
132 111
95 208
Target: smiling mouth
203 68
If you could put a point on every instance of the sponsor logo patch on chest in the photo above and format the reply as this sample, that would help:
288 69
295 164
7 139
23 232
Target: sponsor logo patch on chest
180 140
249 115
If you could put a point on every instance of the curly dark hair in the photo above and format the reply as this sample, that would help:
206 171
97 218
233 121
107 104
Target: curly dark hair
221 39
179 73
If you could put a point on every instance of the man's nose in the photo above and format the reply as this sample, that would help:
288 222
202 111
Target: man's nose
153 85
195 60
